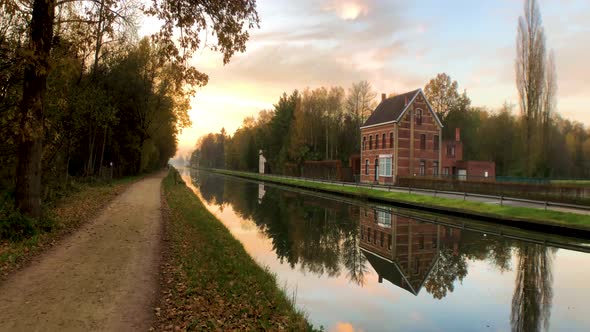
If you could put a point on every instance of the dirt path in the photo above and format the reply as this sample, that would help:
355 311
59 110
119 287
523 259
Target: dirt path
103 277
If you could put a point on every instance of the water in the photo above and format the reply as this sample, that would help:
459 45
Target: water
352 266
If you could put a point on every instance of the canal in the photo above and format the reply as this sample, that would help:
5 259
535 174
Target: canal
354 266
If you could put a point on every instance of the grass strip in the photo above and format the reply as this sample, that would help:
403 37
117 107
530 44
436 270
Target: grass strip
209 281
65 215
474 209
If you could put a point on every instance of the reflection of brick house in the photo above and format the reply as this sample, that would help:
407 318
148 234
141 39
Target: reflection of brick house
401 137
403 250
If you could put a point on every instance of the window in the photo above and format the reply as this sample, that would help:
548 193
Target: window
371 142
385 165
367 167
364 143
382 236
391 140
421 242
383 219
435 168
383 142
422 167
375 237
389 241
451 150
377 141
434 241
419 117
423 141
369 234
436 146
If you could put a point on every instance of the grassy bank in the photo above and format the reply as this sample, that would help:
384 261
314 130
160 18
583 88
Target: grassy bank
516 216
209 280
80 204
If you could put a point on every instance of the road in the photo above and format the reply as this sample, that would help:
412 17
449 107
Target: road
102 277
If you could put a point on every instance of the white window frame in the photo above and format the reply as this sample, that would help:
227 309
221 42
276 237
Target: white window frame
385 165
383 218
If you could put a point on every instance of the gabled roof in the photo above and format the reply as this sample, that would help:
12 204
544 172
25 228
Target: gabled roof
392 109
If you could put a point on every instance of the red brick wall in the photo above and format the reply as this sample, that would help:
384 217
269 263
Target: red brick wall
372 154
429 128
476 169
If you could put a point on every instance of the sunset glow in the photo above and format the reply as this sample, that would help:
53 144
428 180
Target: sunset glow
396 46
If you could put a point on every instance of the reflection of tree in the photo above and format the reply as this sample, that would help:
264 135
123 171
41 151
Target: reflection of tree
211 187
353 258
448 268
533 292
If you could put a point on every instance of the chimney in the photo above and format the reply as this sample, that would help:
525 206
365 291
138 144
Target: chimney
458 134
383 96
406 101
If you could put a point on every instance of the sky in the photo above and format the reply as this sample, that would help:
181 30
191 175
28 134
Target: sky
395 45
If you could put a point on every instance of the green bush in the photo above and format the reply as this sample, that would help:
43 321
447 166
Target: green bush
14 225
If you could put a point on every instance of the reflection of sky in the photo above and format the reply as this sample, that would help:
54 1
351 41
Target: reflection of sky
481 302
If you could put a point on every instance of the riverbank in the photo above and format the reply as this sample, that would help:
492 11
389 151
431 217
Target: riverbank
62 217
208 280
564 223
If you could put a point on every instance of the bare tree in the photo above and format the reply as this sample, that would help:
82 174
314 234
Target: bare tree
360 100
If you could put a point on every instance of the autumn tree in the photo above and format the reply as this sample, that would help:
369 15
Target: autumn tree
443 95
228 21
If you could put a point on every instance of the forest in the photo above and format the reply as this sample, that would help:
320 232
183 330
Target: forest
84 97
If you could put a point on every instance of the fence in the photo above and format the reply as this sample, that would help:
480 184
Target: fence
542 199
571 194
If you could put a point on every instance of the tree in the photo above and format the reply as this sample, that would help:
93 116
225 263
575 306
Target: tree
536 88
229 21
360 100
442 94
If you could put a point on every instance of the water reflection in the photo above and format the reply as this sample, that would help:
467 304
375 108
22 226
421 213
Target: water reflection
533 291
412 254
329 238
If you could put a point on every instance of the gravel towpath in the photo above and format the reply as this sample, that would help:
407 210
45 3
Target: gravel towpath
101 278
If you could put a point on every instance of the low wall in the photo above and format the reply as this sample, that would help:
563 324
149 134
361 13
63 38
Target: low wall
557 193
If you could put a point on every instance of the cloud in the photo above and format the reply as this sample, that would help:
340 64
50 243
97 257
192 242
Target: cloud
348 9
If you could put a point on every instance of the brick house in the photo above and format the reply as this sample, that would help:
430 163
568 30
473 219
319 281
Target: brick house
402 137
453 165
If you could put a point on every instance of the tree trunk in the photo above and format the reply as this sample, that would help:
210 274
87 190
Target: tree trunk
104 142
30 149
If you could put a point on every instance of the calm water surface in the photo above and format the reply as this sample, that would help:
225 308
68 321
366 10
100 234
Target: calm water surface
356 267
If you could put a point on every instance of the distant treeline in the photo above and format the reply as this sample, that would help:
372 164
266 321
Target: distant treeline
320 124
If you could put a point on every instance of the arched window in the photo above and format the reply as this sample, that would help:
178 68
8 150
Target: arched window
391 140
383 142
364 143
371 142
377 141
